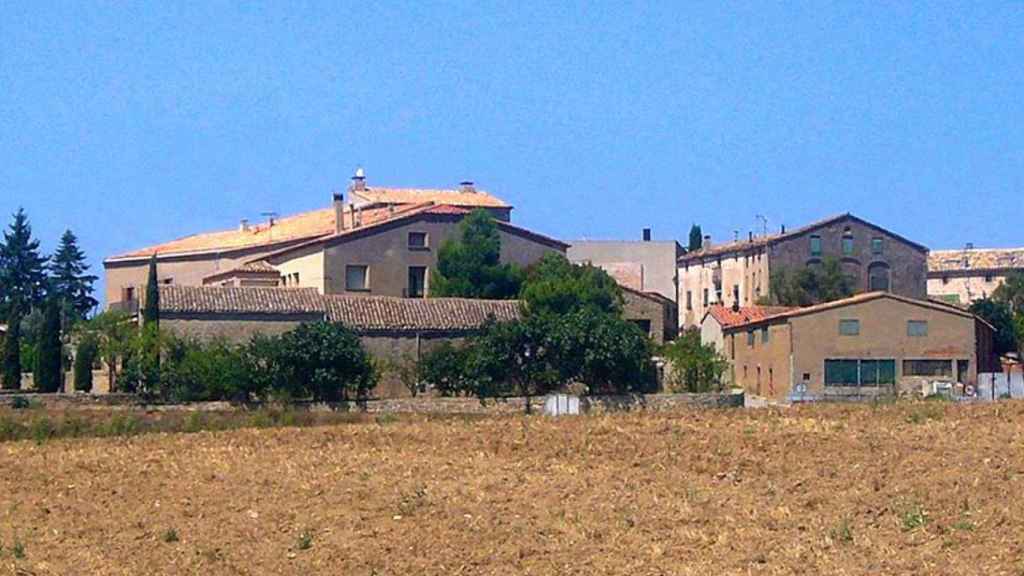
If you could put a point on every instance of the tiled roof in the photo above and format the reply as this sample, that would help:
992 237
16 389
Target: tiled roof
361 313
975 259
383 313
237 300
726 316
855 299
476 199
250 269
757 242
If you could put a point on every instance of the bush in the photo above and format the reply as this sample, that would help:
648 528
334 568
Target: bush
694 367
194 371
446 369
323 361
88 350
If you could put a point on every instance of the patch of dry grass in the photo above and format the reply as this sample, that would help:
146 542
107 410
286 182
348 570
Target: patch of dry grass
809 490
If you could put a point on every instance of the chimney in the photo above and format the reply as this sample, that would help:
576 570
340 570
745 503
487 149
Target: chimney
339 212
647 235
783 228
969 246
358 181
750 236
244 225
467 187
707 242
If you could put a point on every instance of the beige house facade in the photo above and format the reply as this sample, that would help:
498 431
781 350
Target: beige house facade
964 276
867 345
740 272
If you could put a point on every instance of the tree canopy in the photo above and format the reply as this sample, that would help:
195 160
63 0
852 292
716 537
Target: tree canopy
23 282
49 362
469 266
70 282
810 285
1000 316
556 286
696 238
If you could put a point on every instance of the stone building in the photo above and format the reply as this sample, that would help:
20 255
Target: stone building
394 330
719 317
963 276
740 272
384 244
870 344
652 312
646 265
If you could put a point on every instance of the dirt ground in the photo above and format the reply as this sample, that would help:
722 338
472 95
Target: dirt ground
920 488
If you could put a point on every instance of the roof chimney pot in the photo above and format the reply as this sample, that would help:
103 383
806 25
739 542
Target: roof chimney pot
647 235
359 180
243 226
339 212
467 186
707 242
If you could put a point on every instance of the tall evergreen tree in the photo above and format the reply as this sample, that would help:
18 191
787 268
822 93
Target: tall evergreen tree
151 310
22 269
696 238
49 351
70 283
11 378
469 265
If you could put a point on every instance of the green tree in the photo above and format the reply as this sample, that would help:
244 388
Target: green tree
810 285
325 361
1011 292
22 268
70 282
12 351
556 286
696 238
1000 316
85 357
693 366
151 308
602 351
469 266
447 370
50 352
511 359
115 333
201 371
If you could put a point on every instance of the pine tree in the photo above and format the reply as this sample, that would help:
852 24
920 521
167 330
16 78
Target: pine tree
696 238
69 282
11 379
151 311
22 269
49 354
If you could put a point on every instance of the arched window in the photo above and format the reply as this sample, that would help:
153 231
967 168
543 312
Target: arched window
878 277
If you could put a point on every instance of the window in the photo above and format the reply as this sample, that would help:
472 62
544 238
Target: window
689 300
357 277
167 281
644 325
878 277
847 242
849 327
988 278
815 245
732 346
417 240
736 293
807 376
705 297
750 338
129 293
417 282
764 335
917 328
876 246
928 368
850 372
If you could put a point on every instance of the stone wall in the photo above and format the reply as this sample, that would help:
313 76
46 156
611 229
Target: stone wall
420 405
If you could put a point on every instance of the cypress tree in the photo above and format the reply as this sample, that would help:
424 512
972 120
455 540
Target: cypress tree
12 351
86 354
49 354
151 311
22 269
70 282
696 238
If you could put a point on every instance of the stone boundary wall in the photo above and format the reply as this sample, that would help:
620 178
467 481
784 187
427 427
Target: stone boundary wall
421 405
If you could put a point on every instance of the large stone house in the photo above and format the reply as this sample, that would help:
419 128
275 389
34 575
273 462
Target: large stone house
963 276
740 272
870 344
384 244
393 330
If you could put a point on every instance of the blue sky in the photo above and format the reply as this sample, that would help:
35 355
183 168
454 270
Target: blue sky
134 124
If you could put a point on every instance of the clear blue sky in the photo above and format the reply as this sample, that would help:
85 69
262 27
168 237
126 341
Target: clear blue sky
137 124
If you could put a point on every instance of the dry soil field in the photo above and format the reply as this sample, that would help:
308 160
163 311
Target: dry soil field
898 489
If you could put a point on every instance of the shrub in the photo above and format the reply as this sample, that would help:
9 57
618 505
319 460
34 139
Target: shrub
194 371
20 403
49 358
694 367
88 350
324 361
446 369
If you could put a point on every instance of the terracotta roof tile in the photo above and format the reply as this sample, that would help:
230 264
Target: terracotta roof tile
726 316
477 199
382 313
976 259
237 300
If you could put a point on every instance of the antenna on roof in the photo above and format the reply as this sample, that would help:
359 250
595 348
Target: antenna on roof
764 223
271 218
